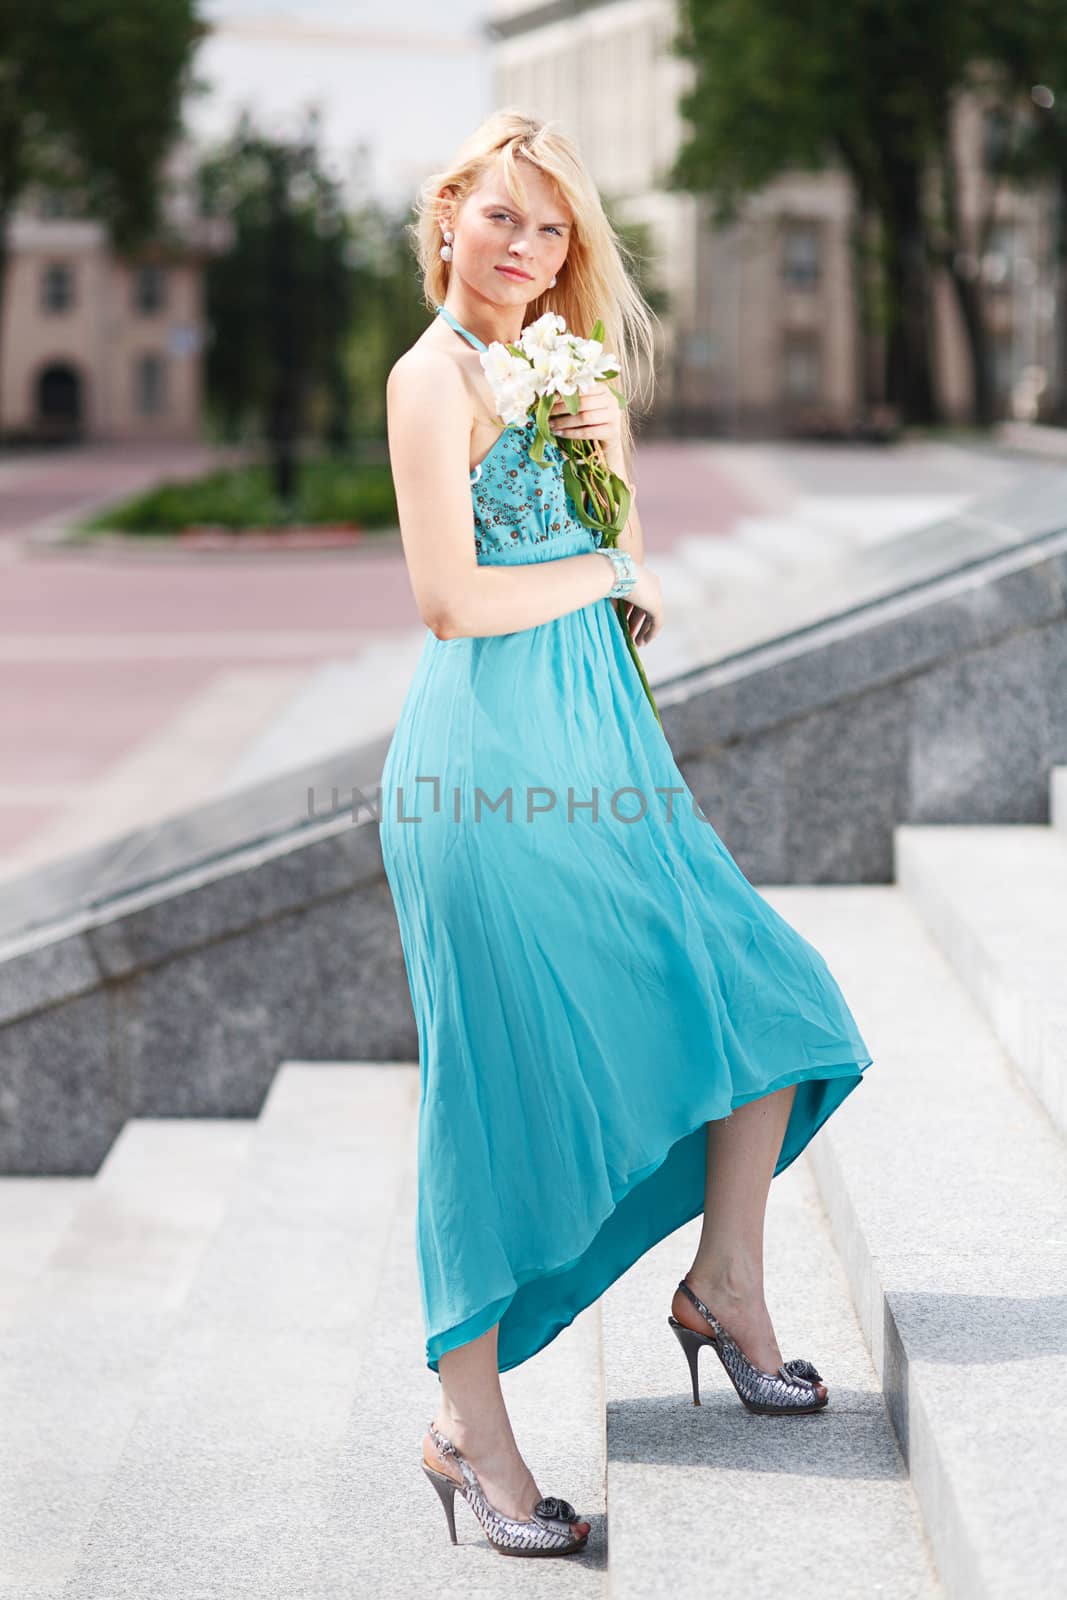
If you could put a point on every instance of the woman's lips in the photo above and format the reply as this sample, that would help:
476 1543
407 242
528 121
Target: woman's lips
515 272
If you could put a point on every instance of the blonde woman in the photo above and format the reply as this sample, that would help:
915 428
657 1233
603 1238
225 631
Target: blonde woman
616 1031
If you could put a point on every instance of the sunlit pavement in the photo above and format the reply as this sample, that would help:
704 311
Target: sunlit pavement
41 486
133 685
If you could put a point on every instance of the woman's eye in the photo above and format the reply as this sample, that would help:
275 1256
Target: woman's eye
503 216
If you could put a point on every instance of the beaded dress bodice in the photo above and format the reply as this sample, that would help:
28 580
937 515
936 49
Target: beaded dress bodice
522 511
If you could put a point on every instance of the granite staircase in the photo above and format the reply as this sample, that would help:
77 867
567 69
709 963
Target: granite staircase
212 1379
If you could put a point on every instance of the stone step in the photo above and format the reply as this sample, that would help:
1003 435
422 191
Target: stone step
995 898
867 519
787 541
944 1183
1058 798
339 705
34 1212
223 1484
86 1336
809 1506
386 1532
712 563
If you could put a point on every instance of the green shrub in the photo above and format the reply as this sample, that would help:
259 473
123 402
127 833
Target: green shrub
329 492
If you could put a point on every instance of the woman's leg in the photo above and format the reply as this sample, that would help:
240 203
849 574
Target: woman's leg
473 1415
727 1270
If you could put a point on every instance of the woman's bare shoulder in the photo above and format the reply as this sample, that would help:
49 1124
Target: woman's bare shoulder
426 398
426 363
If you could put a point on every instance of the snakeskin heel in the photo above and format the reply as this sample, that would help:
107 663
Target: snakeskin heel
546 1533
791 1390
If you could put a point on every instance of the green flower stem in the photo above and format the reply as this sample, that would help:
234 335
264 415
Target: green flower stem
620 612
602 491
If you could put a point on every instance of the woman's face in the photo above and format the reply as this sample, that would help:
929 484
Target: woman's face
492 235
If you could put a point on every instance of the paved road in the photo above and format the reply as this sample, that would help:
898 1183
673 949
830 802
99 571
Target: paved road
132 685
40 486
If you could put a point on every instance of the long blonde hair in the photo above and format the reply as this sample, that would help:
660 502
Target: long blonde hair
596 281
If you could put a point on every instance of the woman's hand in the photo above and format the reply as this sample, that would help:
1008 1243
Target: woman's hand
643 607
599 416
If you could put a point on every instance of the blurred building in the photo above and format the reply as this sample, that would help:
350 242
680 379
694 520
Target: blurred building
95 346
762 332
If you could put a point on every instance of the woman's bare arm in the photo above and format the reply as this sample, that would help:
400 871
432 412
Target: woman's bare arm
429 422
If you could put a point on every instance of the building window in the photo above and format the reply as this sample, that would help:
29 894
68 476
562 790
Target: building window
998 263
995 138
57 287
802 367
149 289
800 254
150 382
700 349
1002 364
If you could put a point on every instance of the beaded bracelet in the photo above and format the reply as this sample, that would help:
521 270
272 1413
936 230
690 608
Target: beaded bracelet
625 571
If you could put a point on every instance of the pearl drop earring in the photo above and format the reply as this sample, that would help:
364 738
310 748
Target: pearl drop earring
552 281
446 249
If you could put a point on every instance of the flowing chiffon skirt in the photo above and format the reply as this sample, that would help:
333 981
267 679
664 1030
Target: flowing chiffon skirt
593 977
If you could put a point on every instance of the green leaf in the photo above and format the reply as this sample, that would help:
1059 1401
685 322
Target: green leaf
544 406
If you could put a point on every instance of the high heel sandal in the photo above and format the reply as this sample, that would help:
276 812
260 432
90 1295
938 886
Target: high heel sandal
790 1390
546 1533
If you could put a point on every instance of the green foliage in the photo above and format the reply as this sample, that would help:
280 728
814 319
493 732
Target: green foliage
280 301
637 242
870 87
780 88
90 100
335 492
1027 47
757 103
389 313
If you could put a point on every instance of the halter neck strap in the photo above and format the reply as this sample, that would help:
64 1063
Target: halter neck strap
473 337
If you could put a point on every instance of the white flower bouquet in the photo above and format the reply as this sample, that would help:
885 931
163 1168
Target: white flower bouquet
526 378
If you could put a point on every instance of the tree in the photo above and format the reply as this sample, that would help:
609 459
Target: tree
90 101
280 301
817 84
1026 46
389 312
873 88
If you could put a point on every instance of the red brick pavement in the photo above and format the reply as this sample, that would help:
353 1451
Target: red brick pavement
682 490
37 486
68 713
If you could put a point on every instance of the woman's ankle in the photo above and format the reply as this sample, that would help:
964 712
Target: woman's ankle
488 1440
734 1285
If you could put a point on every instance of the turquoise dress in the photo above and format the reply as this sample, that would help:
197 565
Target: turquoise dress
593 978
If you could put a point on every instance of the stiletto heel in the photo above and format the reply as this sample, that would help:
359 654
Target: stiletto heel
690 1343
789 1391
446 1487
547 1533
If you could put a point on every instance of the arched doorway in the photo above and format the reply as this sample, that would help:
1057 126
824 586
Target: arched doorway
59 400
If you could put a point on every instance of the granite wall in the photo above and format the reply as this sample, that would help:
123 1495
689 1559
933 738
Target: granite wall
171 972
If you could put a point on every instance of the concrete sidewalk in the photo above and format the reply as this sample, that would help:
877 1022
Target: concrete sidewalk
131 687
